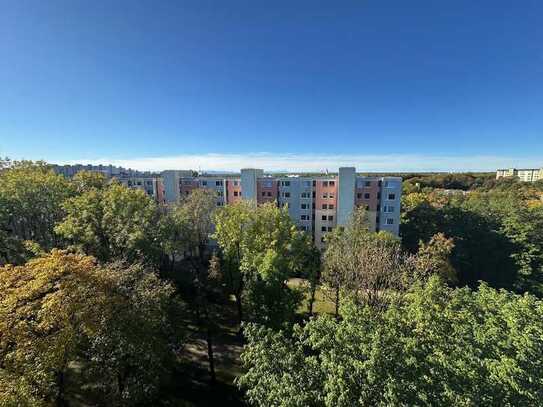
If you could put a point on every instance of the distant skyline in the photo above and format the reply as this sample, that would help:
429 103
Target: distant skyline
297 86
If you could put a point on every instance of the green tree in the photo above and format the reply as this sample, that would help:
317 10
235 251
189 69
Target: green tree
193 220
262 249
85 181
231 230
112 223
31 197
434 346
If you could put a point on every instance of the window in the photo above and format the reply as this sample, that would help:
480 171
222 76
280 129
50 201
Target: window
390 221
324 206
330 206
285 183
269 193
304 217
305 195
359 196
391 197
329 228
286 194
263 193
306 183
322 239
236 183
303 206
323 229
218 183
332 183
330 218
267 183
389 208
367 196
235 193
324 183
330 195
219 193
204 183
323 217
219 203
325 195
367 183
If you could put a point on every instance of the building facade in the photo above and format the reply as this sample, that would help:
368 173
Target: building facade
152 186
150 183
524 174
317 204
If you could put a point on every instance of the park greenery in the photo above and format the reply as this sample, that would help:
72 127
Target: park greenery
108 298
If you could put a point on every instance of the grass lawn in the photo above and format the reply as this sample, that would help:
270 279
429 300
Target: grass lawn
323 298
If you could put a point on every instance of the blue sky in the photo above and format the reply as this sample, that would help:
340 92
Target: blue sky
397 85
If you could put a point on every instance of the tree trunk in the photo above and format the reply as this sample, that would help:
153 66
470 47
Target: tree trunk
337 303
60 401
210 356
312 298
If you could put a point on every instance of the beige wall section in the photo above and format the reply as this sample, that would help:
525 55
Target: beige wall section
325 187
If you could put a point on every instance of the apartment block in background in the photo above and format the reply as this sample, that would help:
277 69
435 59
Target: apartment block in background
524 174
150 183
317 204
152 186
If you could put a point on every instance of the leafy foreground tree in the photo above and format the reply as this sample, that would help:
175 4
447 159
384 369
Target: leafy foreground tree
118 322
190 229
262 249
371 268
112 223
31 197
434 346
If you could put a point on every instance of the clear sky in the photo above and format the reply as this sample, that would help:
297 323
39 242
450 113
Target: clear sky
384 85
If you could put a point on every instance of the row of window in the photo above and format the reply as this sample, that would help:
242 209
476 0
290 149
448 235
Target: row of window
367 195
329 218
218 183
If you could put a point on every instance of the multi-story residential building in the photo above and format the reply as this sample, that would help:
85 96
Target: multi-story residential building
152 186
524 174
317 204
109 171
148 182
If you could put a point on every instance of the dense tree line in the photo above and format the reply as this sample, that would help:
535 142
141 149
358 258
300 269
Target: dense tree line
96 280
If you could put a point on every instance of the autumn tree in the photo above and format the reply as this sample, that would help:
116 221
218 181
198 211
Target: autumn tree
363 264
117 320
